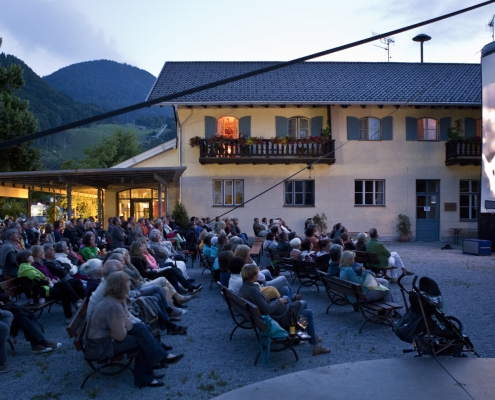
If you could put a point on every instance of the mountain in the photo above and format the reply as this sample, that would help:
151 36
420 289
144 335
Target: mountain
110 85
50 106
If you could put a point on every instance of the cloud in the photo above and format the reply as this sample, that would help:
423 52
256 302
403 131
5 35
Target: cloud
53 29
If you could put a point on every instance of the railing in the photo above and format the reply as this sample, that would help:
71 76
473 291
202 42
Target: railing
463 152
265 152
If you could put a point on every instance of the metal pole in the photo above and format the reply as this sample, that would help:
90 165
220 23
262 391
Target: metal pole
160 200
422 52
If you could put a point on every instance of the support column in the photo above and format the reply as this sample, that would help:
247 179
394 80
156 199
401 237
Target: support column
69 201
160 200
29 203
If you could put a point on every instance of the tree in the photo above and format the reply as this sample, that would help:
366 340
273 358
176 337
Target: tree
15 121
180 215
120 146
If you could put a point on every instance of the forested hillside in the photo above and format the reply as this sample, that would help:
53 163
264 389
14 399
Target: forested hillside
110 85
50 106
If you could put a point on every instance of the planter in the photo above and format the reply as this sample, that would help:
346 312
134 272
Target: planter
403 238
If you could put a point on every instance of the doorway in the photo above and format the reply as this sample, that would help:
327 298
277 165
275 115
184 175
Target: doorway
427 210
141 208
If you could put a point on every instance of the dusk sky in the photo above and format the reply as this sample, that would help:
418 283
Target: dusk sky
51 34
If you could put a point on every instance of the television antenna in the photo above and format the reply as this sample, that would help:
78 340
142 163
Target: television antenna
386 41
491 26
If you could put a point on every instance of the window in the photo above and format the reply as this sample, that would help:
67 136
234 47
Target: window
468 200
369 193
299 127
299 193
369 129
228 126
229 192
427 129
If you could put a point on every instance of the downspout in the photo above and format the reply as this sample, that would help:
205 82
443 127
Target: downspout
179 146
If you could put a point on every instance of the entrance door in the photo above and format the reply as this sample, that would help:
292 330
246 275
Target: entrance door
427 210
141 208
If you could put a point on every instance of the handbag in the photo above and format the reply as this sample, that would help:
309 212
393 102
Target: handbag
97 349
273 331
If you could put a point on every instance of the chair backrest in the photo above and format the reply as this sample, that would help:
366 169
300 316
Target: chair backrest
78 325
373 258
255 316
341 286
235 303
361 257
12 287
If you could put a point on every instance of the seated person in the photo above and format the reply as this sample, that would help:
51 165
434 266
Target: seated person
374 288
207 245
110 318
334 265
258 229
223 262
386 258
270 242
348 245
310 235
235 280
323 255
361 241
89 249
306 253
279 309
283 242
295 254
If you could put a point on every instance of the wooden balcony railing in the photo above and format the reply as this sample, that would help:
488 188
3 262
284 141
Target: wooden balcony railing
265 152
463 152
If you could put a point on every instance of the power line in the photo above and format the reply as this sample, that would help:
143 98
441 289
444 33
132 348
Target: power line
149 103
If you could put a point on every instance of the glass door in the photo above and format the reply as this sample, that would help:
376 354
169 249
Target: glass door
142 209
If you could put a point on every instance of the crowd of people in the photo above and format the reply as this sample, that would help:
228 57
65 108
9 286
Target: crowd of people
135 279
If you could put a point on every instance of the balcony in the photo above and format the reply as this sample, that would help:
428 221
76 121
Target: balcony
463 152
265 151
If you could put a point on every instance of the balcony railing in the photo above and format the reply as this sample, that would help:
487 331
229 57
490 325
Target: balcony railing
265 152
463 152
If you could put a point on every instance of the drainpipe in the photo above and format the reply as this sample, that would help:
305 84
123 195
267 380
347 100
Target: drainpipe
179 145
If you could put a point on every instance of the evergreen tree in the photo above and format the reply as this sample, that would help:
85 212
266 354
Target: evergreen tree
180 215
15 121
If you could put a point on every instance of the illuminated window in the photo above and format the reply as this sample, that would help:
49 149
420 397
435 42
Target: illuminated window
228 126
228 192
427 129
299 127
369 129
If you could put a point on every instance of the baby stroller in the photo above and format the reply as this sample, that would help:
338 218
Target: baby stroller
427 326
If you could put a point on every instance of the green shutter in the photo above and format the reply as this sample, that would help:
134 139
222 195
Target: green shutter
387 128
210 126
281 126
245 126
445 125
316 126
469 127
411 128
352 128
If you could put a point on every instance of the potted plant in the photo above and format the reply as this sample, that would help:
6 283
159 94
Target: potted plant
404 228
194 141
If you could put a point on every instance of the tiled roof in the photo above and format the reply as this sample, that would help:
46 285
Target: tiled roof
325 82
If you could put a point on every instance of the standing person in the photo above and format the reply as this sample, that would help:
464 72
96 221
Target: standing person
386 258
117 236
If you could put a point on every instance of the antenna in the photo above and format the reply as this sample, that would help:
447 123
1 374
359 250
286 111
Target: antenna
491 25
386 41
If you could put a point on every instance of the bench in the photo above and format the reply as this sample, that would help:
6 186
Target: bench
278 258
257 248
369 259
246 315
378 311
14 288
117 365
307 274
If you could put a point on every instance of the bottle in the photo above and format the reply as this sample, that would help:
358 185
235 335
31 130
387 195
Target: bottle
292 326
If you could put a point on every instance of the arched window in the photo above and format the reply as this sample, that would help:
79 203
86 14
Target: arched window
228 126
369 129
427 129
299 127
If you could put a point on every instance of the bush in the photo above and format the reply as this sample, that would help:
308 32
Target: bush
180 215
321 221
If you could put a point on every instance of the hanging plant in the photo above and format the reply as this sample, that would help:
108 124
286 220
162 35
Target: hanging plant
195 141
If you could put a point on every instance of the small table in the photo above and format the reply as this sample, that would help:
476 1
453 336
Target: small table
456 234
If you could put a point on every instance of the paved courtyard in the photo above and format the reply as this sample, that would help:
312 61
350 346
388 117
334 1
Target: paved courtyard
214 365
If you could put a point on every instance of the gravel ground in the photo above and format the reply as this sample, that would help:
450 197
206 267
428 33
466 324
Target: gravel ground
214 365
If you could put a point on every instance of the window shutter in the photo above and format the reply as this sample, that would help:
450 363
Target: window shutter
210 127
281 126
411 128
387 128
316 126
469 127
245 126
445 125
352 128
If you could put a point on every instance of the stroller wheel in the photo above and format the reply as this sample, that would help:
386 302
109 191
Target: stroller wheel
457 322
